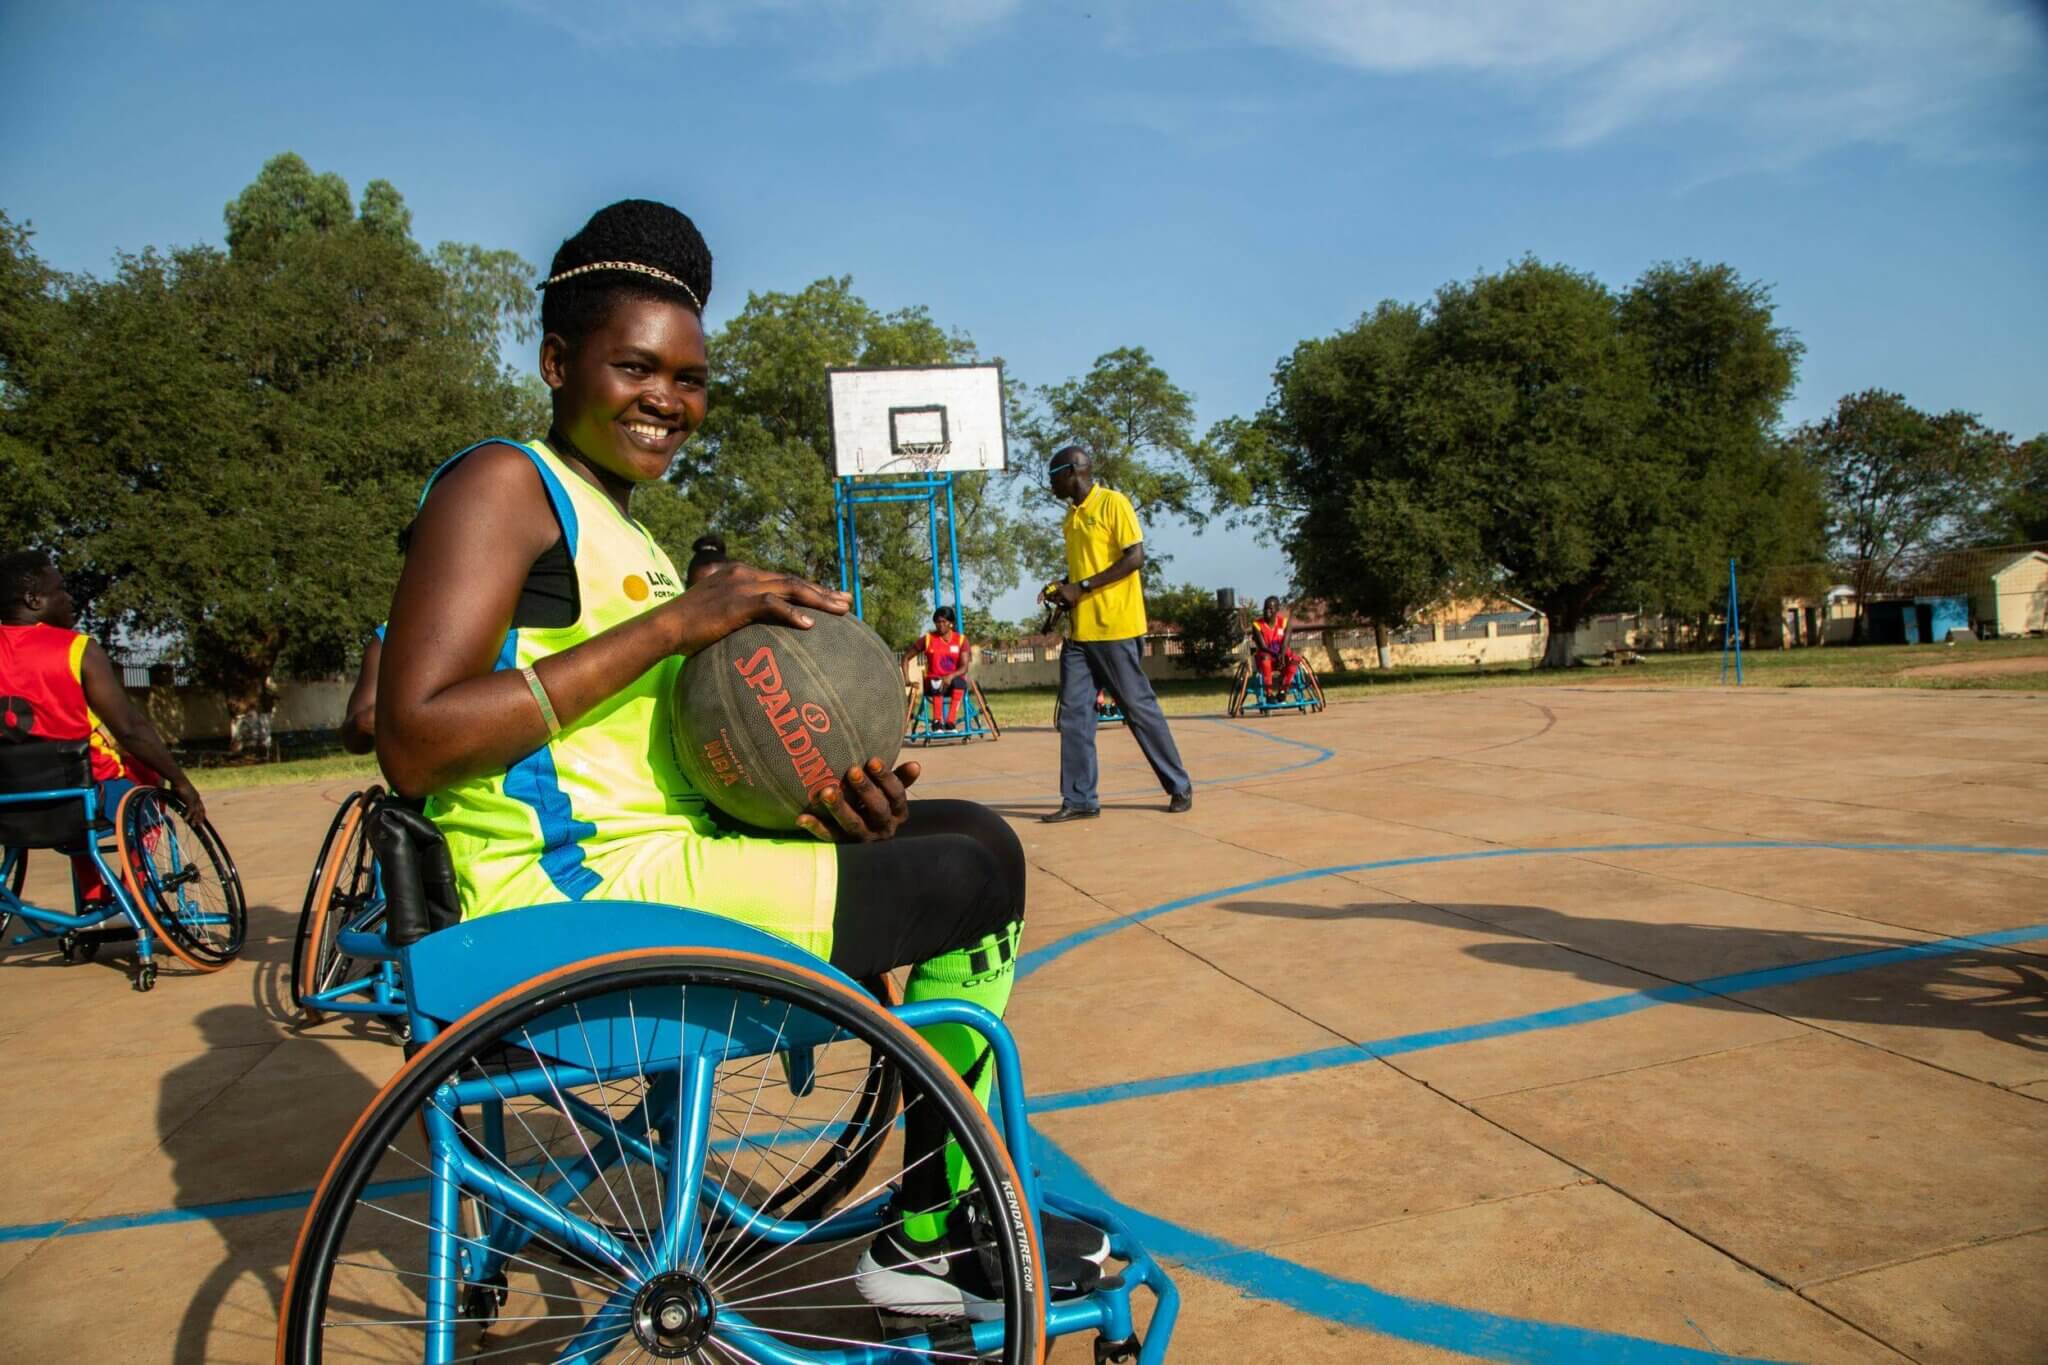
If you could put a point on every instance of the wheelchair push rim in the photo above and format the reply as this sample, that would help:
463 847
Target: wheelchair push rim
344 855
517 1246
181 879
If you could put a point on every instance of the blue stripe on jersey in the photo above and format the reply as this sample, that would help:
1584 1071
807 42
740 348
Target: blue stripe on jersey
534 781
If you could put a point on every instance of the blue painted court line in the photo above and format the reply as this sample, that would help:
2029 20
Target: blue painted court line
1052 952
1490 1336
1613 1006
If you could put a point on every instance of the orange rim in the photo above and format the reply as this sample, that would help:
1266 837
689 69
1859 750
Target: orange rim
323 897
125 856
909 1036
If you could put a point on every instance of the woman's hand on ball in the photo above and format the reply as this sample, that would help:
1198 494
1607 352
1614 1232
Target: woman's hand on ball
866 807
735 595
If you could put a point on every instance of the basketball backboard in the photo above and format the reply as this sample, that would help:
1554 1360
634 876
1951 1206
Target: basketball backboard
917 420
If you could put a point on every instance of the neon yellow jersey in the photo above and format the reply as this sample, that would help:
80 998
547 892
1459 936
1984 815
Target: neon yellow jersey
1098 529
529 835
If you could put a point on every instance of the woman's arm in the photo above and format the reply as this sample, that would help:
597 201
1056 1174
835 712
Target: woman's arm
443 713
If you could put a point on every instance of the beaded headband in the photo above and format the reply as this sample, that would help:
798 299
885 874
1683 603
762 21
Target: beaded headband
633 266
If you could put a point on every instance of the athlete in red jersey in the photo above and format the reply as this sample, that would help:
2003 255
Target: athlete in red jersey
1269 647
57 684
945 668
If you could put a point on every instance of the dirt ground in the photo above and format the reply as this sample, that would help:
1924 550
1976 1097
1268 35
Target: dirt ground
1981 668
1548 1025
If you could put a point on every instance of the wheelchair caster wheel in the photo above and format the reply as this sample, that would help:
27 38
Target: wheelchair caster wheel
401 1028
77 949
481 1302
1107 1352
145 979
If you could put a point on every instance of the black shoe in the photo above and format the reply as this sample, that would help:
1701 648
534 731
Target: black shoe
952 1276
1066 813
1184 802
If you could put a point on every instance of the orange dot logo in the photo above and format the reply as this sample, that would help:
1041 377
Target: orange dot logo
636 587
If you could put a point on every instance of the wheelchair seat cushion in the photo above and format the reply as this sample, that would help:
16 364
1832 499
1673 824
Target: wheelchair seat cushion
45 766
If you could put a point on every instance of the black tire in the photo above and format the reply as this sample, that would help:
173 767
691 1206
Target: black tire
988 714
342 881
1238 690
192 893
365 1274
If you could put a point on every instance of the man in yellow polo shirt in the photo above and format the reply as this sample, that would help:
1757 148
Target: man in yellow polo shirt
1105 550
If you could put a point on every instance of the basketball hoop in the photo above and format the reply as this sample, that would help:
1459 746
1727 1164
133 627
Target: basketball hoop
923 456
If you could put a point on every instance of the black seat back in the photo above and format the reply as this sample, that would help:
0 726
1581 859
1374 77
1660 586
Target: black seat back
39 766
418 875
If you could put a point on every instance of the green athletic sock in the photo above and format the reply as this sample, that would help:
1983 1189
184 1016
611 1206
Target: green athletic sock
983 974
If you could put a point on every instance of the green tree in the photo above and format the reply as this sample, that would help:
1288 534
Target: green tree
1331 467
280 405
1900 481
2022 512
1140 428
1210 632
760 470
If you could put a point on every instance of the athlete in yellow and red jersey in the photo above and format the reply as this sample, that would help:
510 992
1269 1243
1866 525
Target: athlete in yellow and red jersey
56 684
945 668
1269 647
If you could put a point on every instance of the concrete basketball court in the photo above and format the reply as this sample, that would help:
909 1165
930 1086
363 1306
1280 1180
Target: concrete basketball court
1533 1024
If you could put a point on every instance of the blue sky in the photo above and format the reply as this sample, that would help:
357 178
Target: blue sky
1213 179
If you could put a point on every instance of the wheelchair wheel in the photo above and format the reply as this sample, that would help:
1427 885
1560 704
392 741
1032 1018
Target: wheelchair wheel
600 1144
850 1155
1315 690
339 891
181 877
985 711
1238 689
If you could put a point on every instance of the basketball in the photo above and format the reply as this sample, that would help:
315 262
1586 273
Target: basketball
769 715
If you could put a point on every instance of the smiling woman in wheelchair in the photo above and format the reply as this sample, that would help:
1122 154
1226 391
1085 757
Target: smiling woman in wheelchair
535 635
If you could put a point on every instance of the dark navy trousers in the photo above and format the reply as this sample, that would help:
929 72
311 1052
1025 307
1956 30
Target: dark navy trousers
1113 666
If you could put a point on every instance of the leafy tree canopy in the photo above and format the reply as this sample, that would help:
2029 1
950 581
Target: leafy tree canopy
1900 481
1529 432
280 405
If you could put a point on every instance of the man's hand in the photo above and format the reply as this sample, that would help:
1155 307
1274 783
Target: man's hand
195 809
1066 594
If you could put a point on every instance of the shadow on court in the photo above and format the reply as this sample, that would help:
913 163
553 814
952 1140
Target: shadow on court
272 1130
2000 994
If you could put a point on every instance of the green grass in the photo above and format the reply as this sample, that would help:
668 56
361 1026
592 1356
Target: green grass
227 778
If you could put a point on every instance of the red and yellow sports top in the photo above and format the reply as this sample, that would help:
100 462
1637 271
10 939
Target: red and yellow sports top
42 692
944 655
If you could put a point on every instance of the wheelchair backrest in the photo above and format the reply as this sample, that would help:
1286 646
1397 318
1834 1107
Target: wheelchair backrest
44 766
418 876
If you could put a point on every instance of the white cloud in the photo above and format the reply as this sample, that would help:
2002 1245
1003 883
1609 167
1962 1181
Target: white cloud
829 37
1787 77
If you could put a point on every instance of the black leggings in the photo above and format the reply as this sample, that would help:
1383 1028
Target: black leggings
952 876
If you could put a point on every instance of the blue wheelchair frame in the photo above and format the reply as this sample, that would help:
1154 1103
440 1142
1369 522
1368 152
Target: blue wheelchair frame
78 931
70 927
976 721
450 973
376 994
1303 692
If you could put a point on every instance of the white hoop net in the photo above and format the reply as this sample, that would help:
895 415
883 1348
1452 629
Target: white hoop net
923 456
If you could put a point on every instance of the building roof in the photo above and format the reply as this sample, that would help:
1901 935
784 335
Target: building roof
2022 557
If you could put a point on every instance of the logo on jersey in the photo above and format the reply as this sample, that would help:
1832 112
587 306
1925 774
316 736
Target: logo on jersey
655 583
636 587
